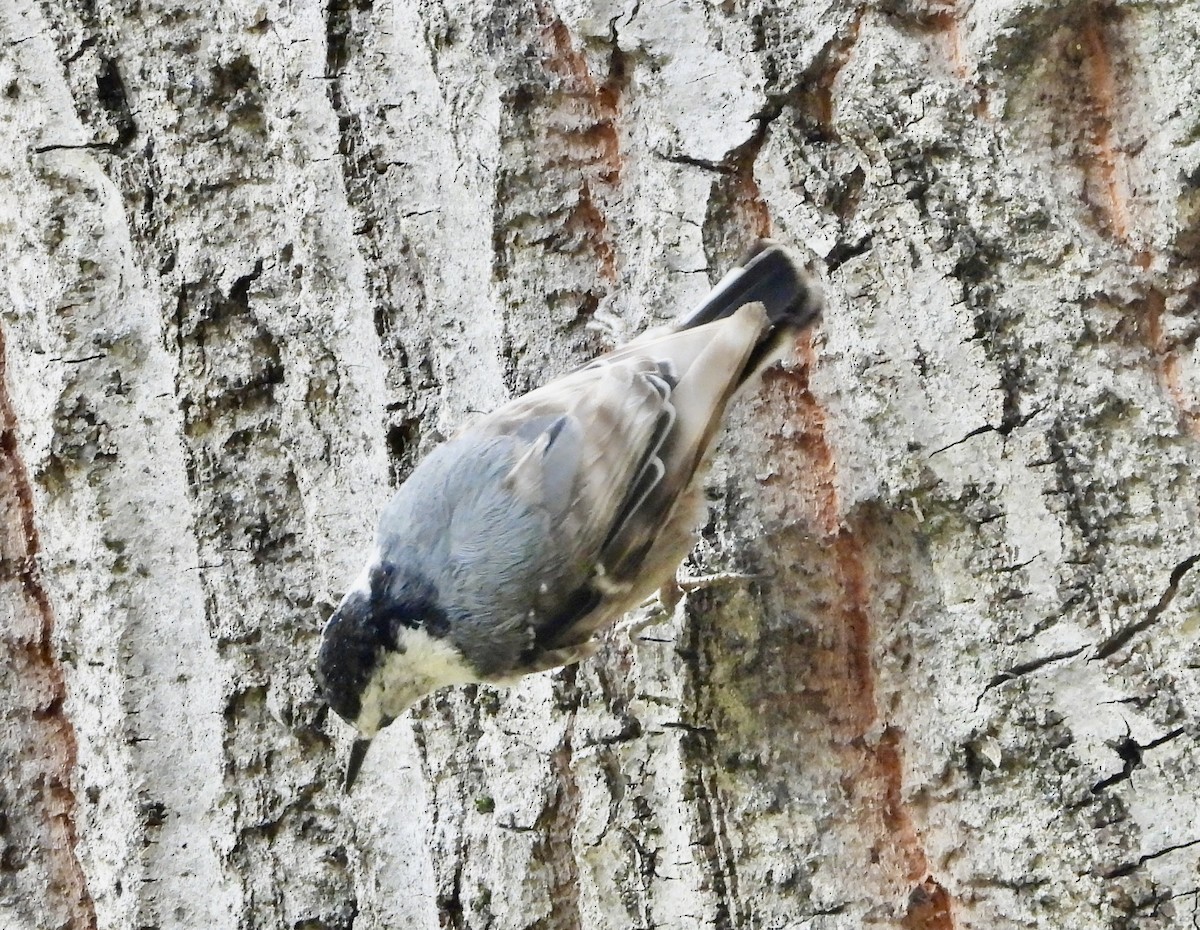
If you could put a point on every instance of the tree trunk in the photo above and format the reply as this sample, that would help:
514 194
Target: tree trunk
259 258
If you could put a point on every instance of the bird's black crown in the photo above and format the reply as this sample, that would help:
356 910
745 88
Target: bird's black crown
364 628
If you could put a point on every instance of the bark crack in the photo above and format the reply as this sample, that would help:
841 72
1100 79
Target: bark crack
1131 752
1012 420
1123 636
705 164
1025 668
1130 867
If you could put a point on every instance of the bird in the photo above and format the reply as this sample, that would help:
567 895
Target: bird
513 544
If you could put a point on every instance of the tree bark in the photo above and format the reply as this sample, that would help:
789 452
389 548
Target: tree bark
259 258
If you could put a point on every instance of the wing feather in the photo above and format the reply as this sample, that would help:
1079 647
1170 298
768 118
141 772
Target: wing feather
711 376
607 420
606 454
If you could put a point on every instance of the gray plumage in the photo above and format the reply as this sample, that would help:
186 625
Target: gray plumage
510 546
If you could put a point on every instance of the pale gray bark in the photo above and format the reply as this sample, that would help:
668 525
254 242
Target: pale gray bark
259 257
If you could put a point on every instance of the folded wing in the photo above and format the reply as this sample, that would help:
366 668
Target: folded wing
608 451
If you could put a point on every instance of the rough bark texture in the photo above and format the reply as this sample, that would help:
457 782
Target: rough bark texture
259 257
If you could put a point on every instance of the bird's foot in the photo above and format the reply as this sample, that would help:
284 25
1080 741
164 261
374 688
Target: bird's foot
671 593
688 584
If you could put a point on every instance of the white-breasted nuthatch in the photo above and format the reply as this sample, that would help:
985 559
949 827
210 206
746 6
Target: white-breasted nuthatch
511 545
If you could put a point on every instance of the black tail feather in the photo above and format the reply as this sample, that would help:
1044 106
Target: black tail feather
769 275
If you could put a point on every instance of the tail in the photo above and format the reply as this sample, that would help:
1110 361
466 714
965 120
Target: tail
766 274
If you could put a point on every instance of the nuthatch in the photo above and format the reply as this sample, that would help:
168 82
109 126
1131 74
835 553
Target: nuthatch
511 545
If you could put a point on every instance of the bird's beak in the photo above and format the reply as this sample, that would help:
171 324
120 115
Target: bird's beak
358 752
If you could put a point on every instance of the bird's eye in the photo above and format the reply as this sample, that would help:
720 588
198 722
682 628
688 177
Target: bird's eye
380 577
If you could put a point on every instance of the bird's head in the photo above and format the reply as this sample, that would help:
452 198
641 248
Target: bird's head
367 668
354 645
384 648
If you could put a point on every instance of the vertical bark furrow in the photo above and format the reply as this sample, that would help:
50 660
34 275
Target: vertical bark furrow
41 876
557 849
232 368
1102 152
399 304
559 178
860 734
817 94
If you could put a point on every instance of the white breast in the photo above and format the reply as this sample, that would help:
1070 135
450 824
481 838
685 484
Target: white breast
425 664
